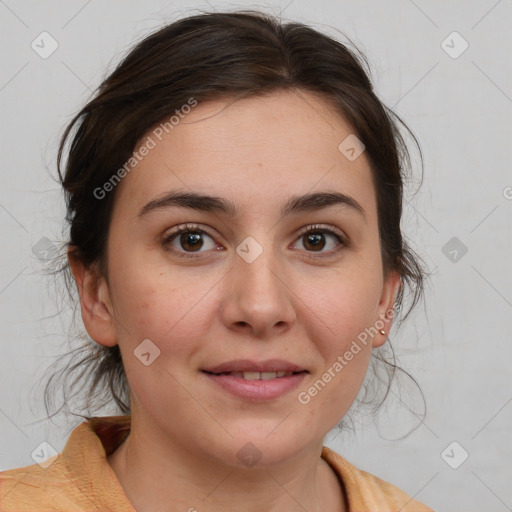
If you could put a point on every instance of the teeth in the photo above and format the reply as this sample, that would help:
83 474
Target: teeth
252 375
258 375
261 375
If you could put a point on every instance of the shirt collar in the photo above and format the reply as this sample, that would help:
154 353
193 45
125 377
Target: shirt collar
85 455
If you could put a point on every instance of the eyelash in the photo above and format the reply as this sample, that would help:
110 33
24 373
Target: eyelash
194 228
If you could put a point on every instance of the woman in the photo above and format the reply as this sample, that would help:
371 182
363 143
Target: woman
234 196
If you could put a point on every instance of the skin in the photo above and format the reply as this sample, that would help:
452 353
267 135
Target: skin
186 432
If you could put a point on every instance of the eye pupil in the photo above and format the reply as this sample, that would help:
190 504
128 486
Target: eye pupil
316 240
190 240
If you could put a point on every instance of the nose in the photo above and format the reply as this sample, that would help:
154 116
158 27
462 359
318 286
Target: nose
257 297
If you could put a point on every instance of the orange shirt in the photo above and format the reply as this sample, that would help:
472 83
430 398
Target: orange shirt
81 479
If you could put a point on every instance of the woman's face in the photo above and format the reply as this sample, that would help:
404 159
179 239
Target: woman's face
248 286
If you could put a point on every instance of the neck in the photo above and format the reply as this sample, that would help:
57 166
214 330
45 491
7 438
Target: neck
153 477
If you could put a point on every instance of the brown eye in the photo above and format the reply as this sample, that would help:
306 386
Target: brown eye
315 241
317 238
189 239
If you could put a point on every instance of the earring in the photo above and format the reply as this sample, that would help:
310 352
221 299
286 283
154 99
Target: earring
382 331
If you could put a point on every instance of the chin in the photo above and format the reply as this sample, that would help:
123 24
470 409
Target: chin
261 447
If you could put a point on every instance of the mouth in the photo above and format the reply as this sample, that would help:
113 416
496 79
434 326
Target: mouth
256 381
254 370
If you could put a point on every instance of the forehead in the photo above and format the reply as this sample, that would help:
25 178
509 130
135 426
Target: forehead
254 151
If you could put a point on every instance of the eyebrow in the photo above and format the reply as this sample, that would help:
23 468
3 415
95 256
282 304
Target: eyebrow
296 204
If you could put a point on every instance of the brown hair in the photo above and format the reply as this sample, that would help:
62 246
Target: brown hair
211 56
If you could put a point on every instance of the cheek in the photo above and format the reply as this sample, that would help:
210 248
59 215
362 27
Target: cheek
345 347
344 306
170 313
339 317
154 302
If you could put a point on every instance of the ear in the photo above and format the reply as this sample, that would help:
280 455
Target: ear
385 310
96 306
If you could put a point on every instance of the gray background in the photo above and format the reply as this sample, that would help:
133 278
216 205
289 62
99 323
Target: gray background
458 346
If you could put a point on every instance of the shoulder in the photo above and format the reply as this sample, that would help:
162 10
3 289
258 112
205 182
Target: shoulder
35 487
77 479
368 492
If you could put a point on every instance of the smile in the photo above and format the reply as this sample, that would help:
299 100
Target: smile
255 386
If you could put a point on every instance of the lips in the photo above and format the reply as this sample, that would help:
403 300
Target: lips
256 386
256 381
